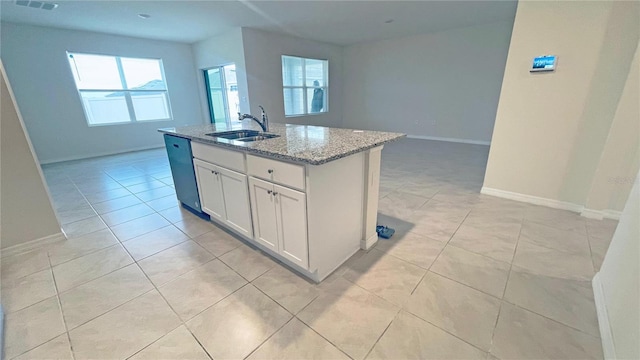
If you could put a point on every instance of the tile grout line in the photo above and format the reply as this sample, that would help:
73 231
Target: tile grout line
322 336
444 330
439 253
272 299
329 341
382 334
447 243
183 322
506 284
548 318
429 270
465 285
479 254
504 292
373 294
99 277
312 329
64 321
155 288
590 247
503 300
401 308
193 336
270 336
121 242
108 311
139 267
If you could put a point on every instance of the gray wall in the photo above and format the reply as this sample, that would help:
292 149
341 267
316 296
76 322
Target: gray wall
551 128
263 58
36 63
439 85
218 51
26 212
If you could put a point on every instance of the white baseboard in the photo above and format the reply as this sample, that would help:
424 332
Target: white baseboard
601 214
1 331
94 155
612 214
33 244
592 214
455 140
556 204
608 346
366 244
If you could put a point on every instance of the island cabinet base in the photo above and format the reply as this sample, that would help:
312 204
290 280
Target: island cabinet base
310 217
335 208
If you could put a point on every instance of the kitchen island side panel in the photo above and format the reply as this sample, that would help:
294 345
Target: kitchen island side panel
335 198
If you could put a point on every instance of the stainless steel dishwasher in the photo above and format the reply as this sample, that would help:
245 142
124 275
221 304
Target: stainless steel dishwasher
184 176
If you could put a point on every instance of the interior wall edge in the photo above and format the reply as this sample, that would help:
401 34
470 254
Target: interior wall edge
22 178
606 335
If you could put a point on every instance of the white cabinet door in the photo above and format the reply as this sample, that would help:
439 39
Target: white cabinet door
263 208
291 213
236 200
209 186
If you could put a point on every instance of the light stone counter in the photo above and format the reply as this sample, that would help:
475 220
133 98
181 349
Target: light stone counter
306 144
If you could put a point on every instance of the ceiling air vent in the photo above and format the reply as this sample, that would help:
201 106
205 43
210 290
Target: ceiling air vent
37 4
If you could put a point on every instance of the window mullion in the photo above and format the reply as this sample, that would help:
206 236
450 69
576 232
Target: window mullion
304 86
288 69
127 94
223 89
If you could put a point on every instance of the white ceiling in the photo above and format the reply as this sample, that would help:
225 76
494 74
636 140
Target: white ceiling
337 22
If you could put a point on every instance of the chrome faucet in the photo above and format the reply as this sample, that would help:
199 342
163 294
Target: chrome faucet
264 124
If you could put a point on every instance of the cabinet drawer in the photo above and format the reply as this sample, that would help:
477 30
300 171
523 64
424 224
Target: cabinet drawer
226 158
277 171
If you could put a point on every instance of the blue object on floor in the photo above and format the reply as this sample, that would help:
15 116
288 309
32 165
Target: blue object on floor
384 231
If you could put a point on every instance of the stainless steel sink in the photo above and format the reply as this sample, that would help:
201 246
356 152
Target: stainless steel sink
262 136
242 135
235 134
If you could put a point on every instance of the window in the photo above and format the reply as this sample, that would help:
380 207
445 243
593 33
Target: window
305 85
119 90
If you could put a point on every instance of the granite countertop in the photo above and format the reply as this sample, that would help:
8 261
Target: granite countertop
307 144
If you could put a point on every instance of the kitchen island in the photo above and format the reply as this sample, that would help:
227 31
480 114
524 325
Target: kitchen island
307 196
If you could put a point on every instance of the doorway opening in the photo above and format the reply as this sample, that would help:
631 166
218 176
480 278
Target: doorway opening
222 93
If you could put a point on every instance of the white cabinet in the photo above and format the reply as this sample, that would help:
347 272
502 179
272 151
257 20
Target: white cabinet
210 189
224 196
236 200
275 171
280 220
263 208
291 212
308 216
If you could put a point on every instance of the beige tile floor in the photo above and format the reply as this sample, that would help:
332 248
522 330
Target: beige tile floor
465 276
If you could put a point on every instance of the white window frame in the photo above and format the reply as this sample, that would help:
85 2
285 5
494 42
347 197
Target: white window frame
127 92
304 87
